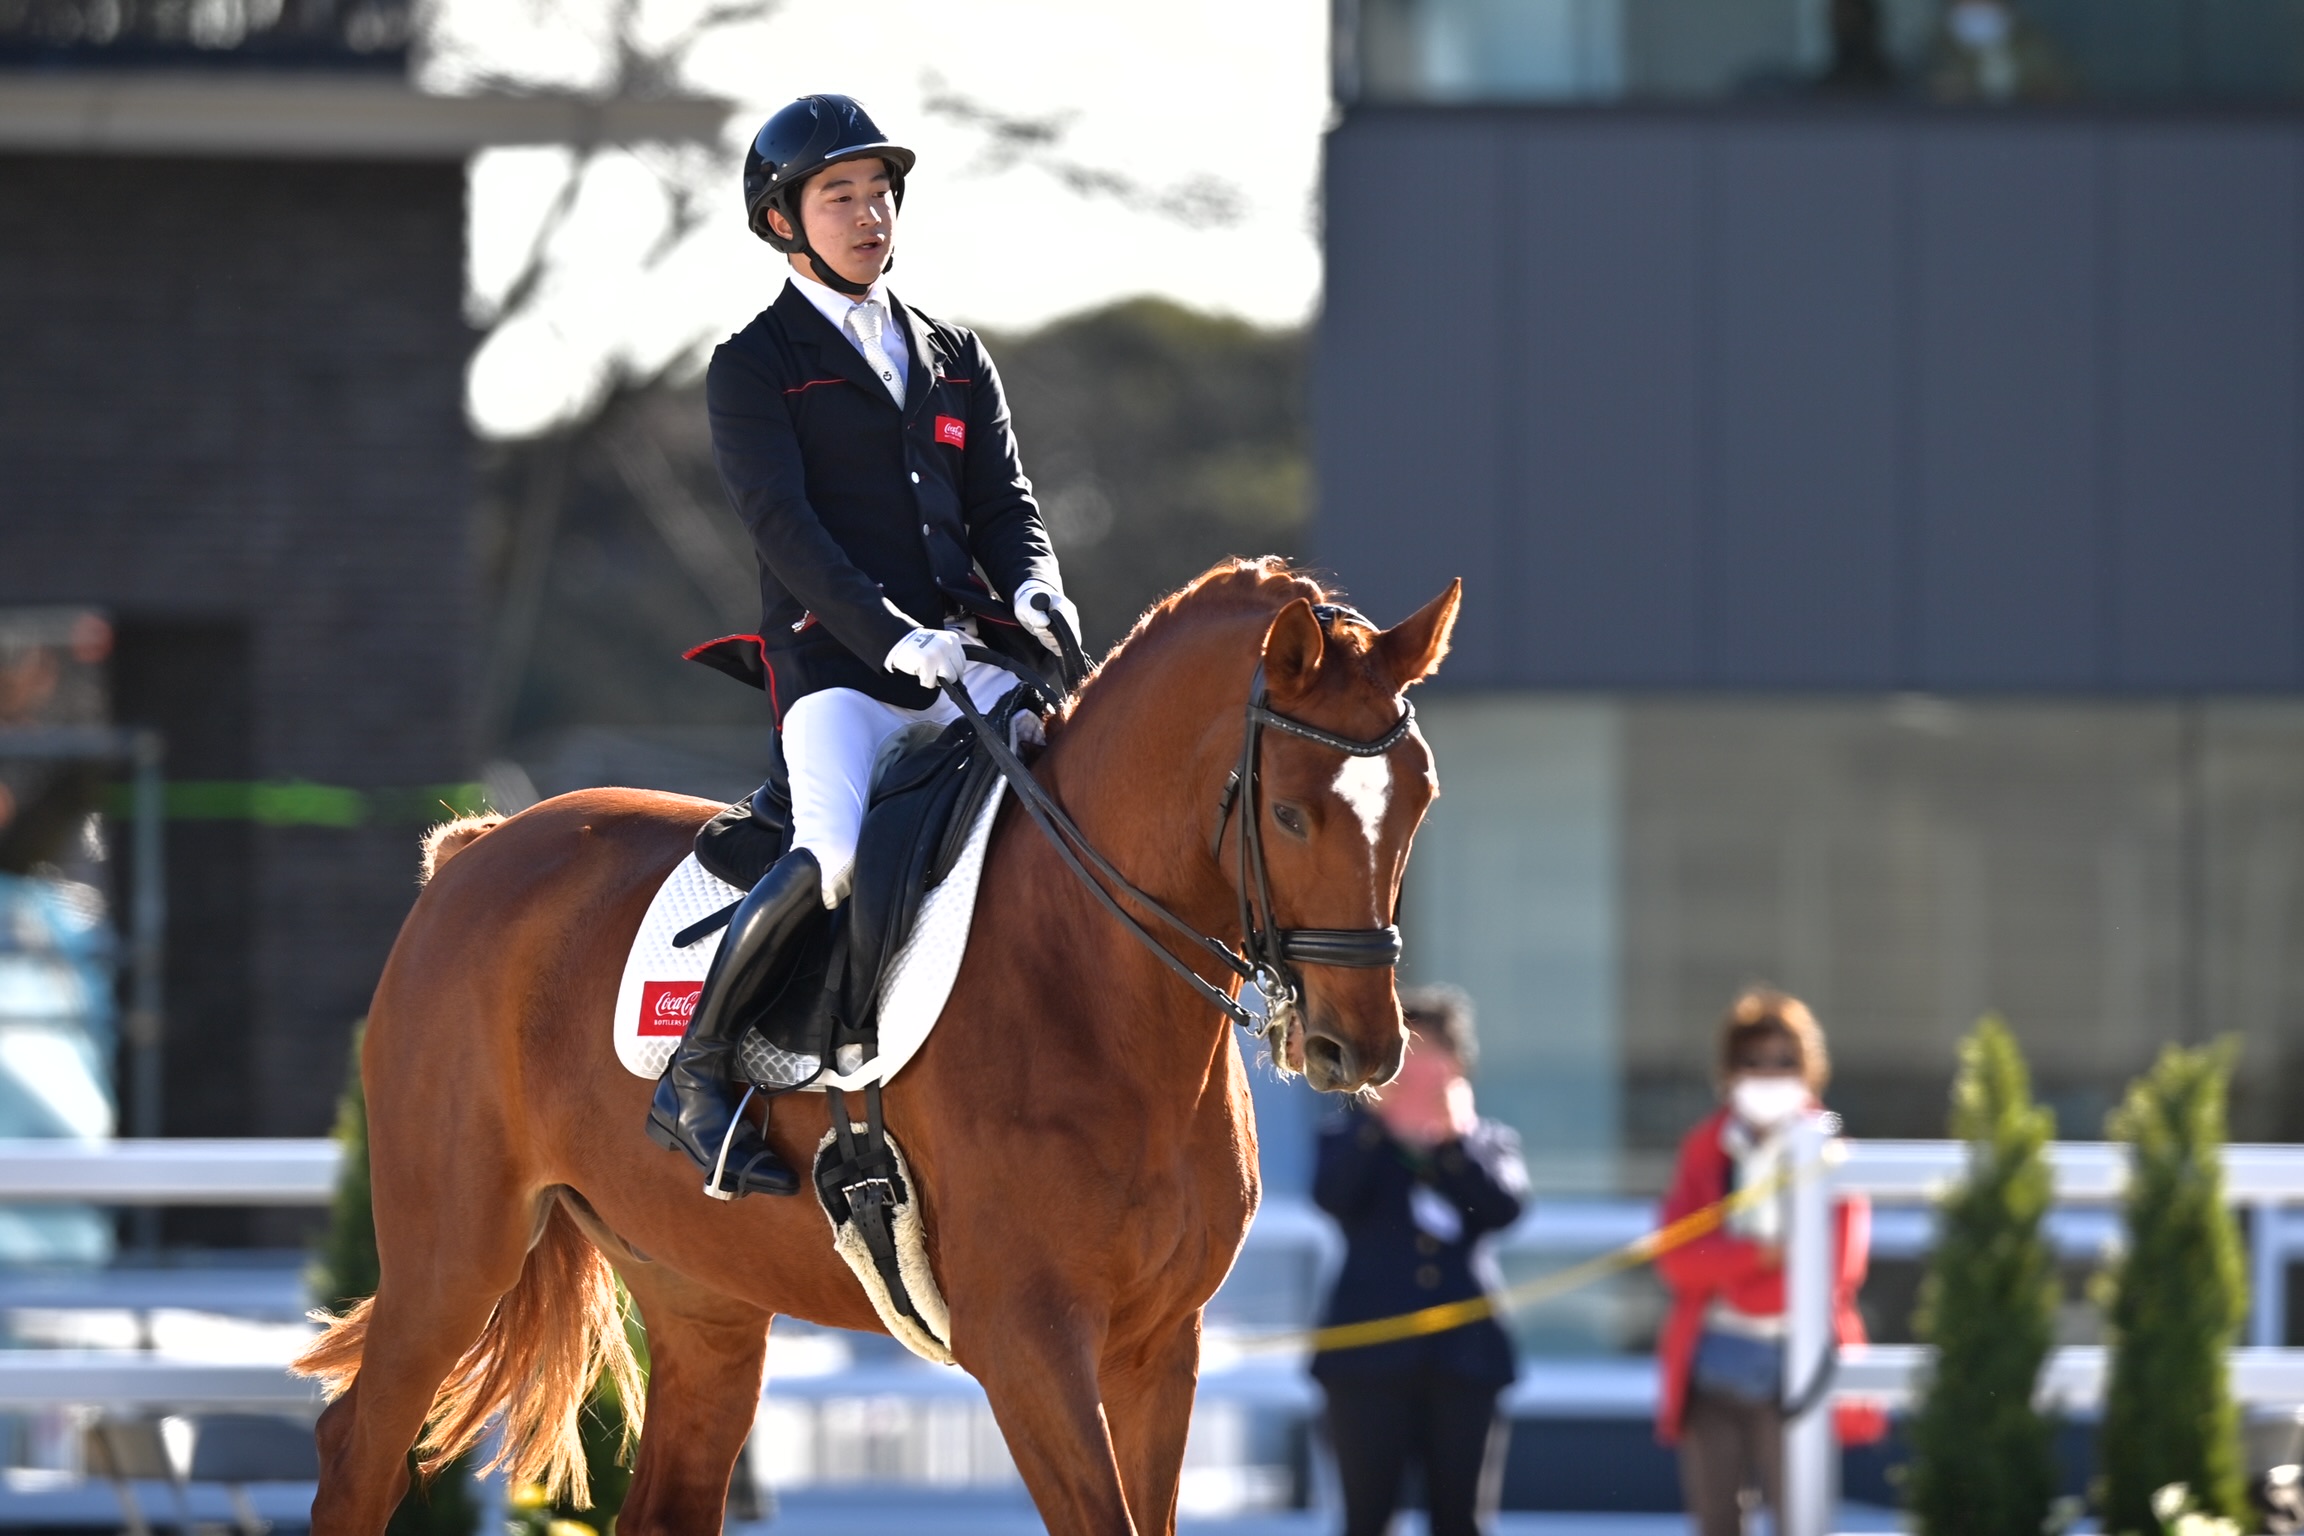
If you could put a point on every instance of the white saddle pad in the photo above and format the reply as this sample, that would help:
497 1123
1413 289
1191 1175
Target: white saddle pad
661 983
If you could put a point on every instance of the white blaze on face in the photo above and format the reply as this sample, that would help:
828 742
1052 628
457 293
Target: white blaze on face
1365 784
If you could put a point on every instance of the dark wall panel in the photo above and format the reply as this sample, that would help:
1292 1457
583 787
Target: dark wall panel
192 680
1803 380
1835 398
2011 567
2205 485
1605 297
1413 420
231 415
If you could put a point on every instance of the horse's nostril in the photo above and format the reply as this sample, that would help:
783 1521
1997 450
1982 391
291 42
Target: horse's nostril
1326 1060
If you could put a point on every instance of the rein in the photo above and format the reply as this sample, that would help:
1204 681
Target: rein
1268 953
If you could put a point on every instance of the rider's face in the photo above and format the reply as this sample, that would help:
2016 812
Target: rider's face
849 211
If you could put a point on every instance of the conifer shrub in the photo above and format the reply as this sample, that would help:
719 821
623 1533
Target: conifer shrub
344 1267
1983 1460
2174 1301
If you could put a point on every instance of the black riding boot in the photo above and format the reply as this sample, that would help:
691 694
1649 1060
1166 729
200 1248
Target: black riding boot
693 1111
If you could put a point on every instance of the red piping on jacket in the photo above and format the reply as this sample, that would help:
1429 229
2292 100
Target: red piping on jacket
767 672
811 384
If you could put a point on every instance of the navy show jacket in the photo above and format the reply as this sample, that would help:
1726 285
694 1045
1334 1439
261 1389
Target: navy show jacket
1366 1179
869 521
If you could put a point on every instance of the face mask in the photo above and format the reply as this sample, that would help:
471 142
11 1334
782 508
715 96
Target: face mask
1765 1102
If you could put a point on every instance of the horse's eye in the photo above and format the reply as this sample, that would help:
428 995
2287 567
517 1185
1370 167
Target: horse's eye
1290 819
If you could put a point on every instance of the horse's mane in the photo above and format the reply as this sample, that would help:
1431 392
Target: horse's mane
1263 585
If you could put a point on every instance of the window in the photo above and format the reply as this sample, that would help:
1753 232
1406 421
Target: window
1604 874
1979 52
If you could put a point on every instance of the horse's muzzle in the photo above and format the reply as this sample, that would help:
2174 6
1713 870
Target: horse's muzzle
1333 1064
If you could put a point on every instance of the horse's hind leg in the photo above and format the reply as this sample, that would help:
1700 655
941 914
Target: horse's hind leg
450 1252
707 1353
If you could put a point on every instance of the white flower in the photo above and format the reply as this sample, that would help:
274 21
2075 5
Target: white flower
2170 1502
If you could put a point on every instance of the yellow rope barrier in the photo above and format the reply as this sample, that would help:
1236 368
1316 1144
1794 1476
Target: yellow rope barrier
1531 1292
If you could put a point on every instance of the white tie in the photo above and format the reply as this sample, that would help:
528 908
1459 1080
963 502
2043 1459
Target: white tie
865 320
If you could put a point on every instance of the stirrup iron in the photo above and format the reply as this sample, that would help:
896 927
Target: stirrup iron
712 1185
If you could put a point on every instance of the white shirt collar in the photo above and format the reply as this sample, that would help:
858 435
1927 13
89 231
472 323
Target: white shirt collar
834 306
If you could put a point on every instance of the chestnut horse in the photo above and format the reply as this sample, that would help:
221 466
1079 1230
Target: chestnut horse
1078 1124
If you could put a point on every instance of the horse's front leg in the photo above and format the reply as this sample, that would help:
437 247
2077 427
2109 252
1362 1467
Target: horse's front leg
1148 1395
1034 1346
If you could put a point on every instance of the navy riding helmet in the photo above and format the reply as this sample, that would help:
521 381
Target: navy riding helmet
799 141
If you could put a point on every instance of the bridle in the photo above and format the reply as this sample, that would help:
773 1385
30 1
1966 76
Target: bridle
1270 950
1268 954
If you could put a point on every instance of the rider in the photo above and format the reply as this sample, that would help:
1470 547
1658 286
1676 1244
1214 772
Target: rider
868 449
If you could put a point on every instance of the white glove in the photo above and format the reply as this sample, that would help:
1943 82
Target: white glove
1034 620
930 655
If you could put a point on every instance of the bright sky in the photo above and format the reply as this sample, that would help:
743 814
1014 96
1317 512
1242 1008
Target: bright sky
1231 88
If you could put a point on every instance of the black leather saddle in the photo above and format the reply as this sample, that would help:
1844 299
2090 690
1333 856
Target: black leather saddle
825 993
744 841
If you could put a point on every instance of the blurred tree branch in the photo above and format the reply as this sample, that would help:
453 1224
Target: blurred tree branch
685 174
1197 202
635 58
686 177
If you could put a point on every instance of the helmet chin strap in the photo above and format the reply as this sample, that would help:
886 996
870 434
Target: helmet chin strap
832 279
786 204
824 272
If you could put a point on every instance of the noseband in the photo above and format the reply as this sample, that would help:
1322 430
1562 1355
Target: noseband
1268 954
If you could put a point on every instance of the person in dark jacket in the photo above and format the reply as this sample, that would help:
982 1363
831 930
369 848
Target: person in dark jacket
1416 1179
868 449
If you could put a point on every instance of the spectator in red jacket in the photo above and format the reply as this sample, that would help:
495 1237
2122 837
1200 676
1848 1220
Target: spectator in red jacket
1722 1349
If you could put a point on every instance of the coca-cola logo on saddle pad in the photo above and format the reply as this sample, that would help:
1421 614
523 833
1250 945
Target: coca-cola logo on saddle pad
667 1006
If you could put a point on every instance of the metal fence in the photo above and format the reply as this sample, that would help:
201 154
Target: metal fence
2267 1181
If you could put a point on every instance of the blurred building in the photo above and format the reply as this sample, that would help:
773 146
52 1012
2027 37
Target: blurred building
232 261
1870 434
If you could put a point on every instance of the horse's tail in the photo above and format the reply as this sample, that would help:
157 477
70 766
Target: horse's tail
555 1333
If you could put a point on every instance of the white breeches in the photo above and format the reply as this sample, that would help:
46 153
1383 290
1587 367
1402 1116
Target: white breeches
832 740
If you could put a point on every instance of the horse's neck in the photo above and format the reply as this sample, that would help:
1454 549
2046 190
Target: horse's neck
1137 768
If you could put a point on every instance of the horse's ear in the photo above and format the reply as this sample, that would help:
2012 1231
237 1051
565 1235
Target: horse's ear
1410 650
1293 647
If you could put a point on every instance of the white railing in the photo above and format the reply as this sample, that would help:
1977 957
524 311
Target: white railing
185 1171
1902 1177
2073 1377
153 1172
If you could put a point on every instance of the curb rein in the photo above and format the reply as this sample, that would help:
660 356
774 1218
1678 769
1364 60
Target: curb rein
1268 954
